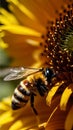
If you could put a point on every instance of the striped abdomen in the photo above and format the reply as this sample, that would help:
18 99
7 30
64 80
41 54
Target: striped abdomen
21 95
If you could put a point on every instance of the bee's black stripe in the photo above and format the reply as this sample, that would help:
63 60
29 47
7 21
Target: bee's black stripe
19 98
23 91
15 105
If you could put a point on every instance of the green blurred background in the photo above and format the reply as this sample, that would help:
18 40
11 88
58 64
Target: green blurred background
6 87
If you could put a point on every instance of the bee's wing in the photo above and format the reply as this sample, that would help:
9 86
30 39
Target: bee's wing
20 72
4 72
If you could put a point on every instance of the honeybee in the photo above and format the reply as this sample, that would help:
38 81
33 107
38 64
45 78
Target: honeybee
27 89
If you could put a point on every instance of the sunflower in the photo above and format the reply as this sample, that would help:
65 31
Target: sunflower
50 24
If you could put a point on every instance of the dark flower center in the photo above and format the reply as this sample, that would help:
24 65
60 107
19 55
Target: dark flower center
58 45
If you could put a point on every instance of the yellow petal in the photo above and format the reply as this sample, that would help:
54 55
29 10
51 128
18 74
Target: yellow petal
17 29
6 100
3 20
57 117
3 107
69 120
52 92
5 104
9 116
24 20
17 125
2 44
23 9
65 96
6 118
7 18
33 7
44 11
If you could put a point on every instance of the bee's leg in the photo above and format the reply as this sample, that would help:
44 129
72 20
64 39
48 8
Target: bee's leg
32 103
35 111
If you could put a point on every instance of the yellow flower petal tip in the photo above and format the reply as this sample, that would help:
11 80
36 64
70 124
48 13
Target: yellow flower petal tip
3 45
65 96
52 92
69 120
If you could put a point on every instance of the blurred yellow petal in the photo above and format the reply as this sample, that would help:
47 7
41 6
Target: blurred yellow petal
46 8
17 125
6 117
4 20
69 120
27 125
6 100
23 9
3 107
7 18
25 117
3 44
17 29
52 92
24 20
65 96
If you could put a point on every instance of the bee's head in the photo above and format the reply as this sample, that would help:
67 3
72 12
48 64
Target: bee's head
48 73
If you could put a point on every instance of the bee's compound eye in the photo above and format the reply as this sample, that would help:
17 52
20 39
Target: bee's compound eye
48 73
